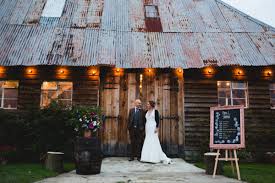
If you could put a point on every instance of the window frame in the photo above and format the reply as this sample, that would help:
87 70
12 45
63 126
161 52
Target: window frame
156 9
2 99
271 99
231 88
58 93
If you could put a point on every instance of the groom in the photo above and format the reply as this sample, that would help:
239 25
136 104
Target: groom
136 125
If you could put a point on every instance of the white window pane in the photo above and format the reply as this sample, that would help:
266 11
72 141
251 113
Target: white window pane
151 11
239 85
48 96
238 94
224 93
223 84
10 103
49 86
56 91
53 8
10 84
239 102
65 86
10 93
222 101
65 95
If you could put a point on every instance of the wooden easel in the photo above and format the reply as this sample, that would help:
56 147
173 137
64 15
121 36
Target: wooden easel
228 158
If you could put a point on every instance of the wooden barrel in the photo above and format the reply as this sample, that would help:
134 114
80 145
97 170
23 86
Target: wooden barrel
88 156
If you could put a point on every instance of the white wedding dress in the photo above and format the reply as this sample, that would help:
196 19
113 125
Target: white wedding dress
151 150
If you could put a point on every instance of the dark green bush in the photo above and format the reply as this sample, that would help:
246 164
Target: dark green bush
33 132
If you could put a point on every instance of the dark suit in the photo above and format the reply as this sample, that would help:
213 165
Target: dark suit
136 125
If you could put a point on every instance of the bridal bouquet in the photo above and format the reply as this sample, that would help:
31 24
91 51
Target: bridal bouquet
86 118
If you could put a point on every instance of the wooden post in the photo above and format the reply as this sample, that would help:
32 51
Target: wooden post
232 162
54 161
237 164
216 163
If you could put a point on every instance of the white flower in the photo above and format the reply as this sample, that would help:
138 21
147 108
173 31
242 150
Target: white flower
94 123
80 119
76 129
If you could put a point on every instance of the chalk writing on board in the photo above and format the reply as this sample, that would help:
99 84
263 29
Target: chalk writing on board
227 127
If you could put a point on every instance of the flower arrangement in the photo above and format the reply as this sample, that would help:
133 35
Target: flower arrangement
86 118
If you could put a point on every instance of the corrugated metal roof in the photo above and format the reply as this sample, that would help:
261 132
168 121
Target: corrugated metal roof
91 32
54 46
128 15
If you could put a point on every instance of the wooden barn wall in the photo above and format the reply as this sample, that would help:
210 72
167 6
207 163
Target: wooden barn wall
29 93
86 92
201 94
85 83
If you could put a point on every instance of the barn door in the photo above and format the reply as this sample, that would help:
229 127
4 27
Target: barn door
166 88
118 92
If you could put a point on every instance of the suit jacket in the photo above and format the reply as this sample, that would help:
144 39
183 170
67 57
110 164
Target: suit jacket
141 119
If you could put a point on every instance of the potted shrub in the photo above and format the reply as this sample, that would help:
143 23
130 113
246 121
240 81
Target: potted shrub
87 122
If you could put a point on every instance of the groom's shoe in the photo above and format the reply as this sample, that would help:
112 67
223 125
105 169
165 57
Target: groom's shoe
131 159
138 158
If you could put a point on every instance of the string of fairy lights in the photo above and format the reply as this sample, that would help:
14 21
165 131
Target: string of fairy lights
95 71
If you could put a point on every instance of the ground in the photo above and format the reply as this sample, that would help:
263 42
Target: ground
120 170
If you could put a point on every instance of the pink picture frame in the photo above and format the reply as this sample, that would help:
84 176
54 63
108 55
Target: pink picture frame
212 145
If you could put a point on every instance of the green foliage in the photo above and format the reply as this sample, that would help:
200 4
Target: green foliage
250 172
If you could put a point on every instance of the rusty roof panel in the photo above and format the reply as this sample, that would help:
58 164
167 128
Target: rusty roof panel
35 11
191 50
6 9
95 13
20 11
239 22
81 12
265 44
90 48
91 32
116 15
128 15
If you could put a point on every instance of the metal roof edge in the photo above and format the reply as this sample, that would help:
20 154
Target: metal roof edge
246 15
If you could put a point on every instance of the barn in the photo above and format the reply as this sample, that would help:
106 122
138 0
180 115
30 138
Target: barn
186 55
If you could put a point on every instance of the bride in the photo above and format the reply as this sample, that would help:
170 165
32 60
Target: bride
151 150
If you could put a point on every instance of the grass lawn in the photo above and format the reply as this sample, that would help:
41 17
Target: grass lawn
251 172
27 173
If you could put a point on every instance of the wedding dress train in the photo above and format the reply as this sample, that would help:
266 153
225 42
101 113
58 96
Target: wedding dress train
151 150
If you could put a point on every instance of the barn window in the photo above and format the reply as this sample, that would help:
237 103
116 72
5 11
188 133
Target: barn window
151 11
53 8
232 93
59 91
272 95
152 19
8 94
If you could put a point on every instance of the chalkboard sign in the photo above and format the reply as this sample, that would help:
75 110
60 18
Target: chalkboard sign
227 127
